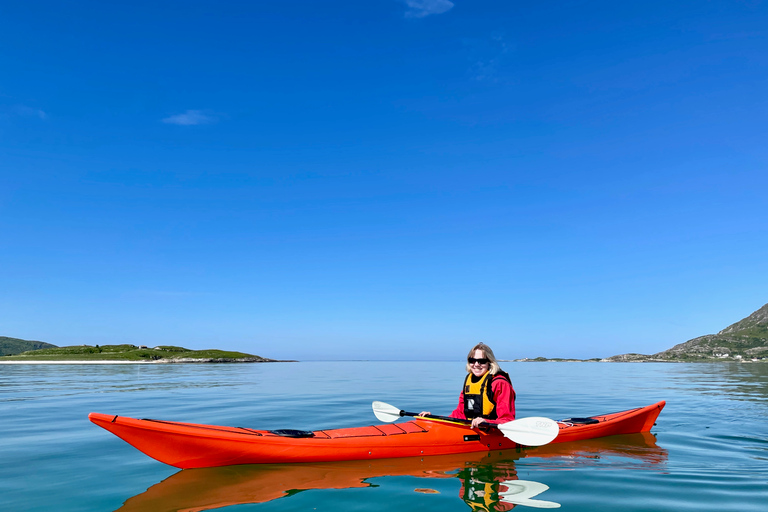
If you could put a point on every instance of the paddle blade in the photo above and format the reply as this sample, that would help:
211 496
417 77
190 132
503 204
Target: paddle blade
385 412
519 492
533 431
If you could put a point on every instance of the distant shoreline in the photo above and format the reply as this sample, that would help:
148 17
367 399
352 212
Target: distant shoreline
157 361
206 361
116 354
77 362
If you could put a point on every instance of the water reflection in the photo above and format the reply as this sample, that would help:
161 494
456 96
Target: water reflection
483 489
489 481
736 381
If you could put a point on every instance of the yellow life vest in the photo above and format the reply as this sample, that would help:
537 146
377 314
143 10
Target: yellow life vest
481 496
481 493
478 396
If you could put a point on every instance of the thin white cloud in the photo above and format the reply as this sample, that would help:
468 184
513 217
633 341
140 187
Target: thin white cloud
487 56
170 294
23 110
422 8
191 118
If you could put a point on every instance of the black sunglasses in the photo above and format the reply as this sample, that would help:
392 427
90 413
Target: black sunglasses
472 360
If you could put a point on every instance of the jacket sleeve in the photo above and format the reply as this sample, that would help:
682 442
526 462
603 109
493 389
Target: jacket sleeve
459 411
504 394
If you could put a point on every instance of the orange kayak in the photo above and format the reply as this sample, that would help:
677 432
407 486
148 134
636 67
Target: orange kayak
189 445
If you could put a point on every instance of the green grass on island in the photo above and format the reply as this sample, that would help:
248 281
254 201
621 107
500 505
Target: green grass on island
132 353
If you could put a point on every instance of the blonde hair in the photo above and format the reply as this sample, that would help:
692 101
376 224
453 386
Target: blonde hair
488 354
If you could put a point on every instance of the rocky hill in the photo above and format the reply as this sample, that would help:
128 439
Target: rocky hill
747 339
11 346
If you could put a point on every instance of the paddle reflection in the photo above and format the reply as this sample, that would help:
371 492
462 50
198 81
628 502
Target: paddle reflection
495 487
489 481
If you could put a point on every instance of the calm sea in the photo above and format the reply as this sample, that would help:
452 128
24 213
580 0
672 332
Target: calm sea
708 451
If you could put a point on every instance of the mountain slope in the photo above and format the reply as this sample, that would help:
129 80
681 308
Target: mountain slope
745 339
11 346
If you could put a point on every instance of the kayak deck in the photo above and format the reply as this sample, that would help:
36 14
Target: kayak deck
189 445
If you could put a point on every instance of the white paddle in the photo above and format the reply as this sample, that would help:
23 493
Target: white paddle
530 431
533 431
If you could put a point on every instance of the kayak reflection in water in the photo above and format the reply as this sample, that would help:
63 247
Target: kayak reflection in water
487 395
488 482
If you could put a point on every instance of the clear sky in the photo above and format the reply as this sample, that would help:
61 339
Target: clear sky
383 179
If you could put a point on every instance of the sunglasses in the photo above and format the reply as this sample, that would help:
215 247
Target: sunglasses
472 360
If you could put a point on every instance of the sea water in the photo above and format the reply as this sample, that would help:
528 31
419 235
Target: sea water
708 451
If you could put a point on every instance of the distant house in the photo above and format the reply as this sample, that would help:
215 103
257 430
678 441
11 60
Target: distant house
142 346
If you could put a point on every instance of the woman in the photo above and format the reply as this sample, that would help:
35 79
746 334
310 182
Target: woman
487 395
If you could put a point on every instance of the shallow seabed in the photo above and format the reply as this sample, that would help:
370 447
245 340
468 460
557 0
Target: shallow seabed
709 450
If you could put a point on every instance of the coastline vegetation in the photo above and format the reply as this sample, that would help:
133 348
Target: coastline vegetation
162 353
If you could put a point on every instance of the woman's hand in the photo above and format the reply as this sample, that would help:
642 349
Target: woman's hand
476 422
424 413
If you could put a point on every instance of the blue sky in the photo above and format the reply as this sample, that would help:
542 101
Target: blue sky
383 179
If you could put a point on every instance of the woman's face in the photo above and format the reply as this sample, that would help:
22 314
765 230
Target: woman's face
477 369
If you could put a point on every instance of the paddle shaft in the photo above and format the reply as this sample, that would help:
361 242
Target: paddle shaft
483 426
457 420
